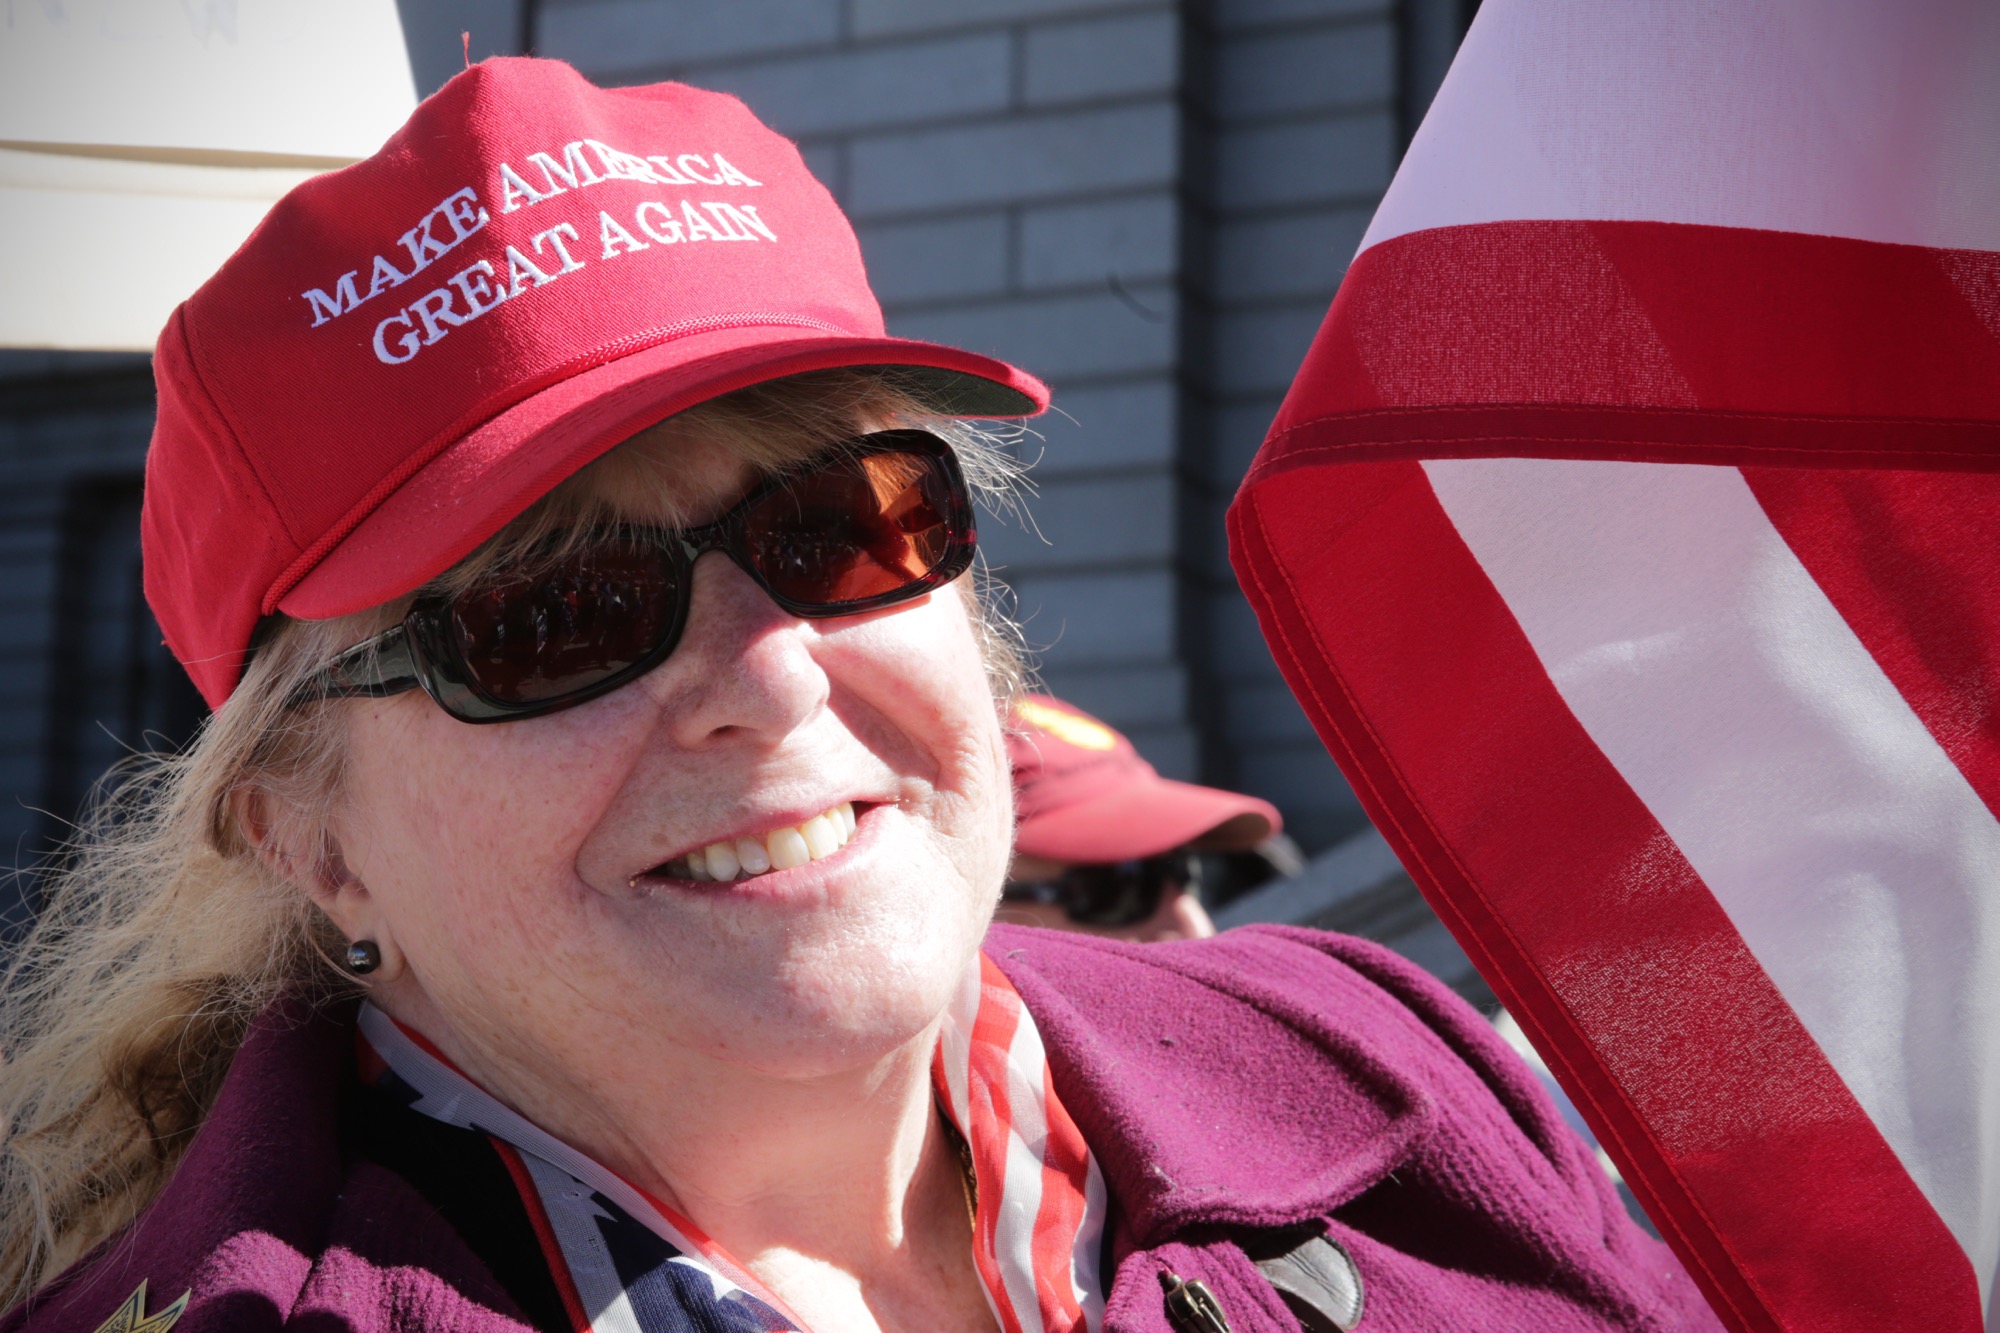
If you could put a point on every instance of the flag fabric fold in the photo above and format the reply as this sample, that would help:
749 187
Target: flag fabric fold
1627 535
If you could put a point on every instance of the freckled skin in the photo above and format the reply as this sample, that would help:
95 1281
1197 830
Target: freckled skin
669 1029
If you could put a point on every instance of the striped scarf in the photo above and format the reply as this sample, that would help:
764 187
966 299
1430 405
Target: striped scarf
626 1263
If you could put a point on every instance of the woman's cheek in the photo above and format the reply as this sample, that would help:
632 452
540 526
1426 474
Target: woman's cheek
462 813
922 667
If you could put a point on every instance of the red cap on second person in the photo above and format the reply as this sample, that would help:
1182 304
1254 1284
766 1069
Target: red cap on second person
1083 794
409 352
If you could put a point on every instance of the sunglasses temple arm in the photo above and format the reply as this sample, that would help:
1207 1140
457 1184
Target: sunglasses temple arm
372 669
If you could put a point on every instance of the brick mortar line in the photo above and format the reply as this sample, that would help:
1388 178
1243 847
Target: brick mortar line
1159 98
1364 204
1254 122
1163 470
1028 296
1164 192
1088 10
1161 565
777 58
1256 31
1317 299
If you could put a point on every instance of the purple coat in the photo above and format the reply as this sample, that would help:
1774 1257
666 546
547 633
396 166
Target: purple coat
1230 1088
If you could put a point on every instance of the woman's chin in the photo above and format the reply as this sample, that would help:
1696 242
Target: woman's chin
839 1003
793 1040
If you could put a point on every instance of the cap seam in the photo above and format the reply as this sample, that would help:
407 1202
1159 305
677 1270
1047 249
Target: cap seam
615 350
193 381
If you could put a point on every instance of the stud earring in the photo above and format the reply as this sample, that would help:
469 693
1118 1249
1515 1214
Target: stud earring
363 957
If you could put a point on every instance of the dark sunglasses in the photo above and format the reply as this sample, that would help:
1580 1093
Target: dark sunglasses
880 520
1120 893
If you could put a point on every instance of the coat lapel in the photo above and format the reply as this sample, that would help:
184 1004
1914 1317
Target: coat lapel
1224 1085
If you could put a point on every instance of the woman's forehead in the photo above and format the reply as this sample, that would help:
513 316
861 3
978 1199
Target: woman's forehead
675 473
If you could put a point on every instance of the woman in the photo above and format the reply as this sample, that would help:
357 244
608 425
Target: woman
558 926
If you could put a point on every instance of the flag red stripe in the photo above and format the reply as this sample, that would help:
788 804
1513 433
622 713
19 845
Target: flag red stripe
1064 1178
1580 910
545 1234
1911 562
1628 434
1666 317
991 1128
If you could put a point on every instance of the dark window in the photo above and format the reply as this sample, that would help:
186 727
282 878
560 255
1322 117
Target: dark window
1429 32
115 688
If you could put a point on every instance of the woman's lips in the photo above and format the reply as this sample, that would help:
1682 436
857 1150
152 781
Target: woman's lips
784 848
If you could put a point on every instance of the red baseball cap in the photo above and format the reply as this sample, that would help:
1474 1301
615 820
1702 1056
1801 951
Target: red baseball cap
409 352
1082 793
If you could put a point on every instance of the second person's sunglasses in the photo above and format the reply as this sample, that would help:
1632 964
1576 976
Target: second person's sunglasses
882 519
1115 893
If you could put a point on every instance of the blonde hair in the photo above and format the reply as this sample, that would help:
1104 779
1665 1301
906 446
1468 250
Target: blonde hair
164 932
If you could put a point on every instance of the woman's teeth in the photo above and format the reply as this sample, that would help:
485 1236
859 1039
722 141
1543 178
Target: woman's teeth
780 849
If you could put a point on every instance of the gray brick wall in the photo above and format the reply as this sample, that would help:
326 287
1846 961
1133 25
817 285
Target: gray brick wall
1297 130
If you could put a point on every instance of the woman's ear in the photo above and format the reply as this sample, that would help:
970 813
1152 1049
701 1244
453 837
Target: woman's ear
306 854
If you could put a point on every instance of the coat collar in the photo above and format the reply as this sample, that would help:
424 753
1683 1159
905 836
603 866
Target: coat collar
250 1198
1243 1082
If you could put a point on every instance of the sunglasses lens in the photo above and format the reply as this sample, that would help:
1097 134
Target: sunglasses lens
854 531
1108 895
525 639
1125 893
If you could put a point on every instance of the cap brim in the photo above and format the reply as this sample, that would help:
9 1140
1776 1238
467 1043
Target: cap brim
1145 819
485 477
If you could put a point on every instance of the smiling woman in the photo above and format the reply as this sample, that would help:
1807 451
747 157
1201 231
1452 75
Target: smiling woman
575 915
509 882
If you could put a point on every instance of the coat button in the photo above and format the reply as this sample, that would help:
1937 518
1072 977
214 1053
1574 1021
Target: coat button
1192 1307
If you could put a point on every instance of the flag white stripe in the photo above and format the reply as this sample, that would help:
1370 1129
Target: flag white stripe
1029 1061
1860 868
955 1044
1867 120
1021 1198
573 1216
1088 1252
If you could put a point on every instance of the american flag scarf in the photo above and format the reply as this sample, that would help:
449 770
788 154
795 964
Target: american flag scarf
624 1262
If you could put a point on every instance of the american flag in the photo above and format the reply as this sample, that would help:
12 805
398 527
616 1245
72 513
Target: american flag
1631 535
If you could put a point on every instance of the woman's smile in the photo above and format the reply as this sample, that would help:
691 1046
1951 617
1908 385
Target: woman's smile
758 855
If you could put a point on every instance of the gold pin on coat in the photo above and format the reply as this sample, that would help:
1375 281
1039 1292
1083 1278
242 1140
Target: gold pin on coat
131 1317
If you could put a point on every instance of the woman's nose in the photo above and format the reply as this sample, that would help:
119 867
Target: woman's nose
743 663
